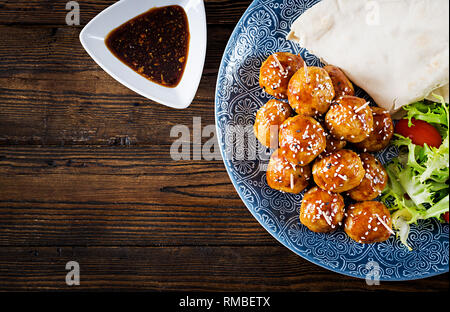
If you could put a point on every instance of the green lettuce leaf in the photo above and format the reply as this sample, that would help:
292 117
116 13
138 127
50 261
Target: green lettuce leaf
418 178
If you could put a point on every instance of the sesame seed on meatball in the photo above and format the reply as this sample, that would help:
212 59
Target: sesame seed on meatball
322 211
374 182
339 172
342 85
286 177
269 118
383 131
310 91
350 118
368 222
302 139
277 71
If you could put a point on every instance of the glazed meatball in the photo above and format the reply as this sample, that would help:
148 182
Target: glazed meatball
339 172
368 222
285 177
277 71
311 91
269 118
350 118
334 145
302 139
374 182
322 211
342 85
383 131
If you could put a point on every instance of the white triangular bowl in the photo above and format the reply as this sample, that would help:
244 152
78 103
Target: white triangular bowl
93 36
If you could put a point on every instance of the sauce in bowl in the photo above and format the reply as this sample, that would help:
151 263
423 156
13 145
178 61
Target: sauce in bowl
155 44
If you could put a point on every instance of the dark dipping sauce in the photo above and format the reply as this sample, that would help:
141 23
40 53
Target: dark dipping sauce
155 44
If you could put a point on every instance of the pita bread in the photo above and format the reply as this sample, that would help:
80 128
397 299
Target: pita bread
442 91
396 50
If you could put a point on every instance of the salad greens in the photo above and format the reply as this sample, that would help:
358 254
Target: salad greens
418 178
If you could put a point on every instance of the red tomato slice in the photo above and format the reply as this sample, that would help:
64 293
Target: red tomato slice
420 133
446 216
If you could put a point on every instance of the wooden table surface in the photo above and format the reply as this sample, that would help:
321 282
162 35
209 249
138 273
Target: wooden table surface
86 175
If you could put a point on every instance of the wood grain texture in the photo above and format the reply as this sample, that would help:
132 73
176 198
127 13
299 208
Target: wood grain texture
112 197
44 12
86 175
187 268
54 94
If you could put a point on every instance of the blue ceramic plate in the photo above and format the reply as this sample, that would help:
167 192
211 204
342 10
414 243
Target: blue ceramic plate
261 32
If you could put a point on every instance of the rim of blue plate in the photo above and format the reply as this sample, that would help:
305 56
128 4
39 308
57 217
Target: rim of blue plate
236 186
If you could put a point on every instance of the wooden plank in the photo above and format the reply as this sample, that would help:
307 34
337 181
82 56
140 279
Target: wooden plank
57 50
223 268
119 196
52 93
75 115
54 12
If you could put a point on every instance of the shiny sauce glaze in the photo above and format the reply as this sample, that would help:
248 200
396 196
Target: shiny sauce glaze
155 44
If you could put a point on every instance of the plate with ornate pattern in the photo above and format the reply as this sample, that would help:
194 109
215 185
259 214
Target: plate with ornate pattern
260 33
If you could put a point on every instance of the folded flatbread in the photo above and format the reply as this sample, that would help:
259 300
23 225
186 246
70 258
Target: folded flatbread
396 50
